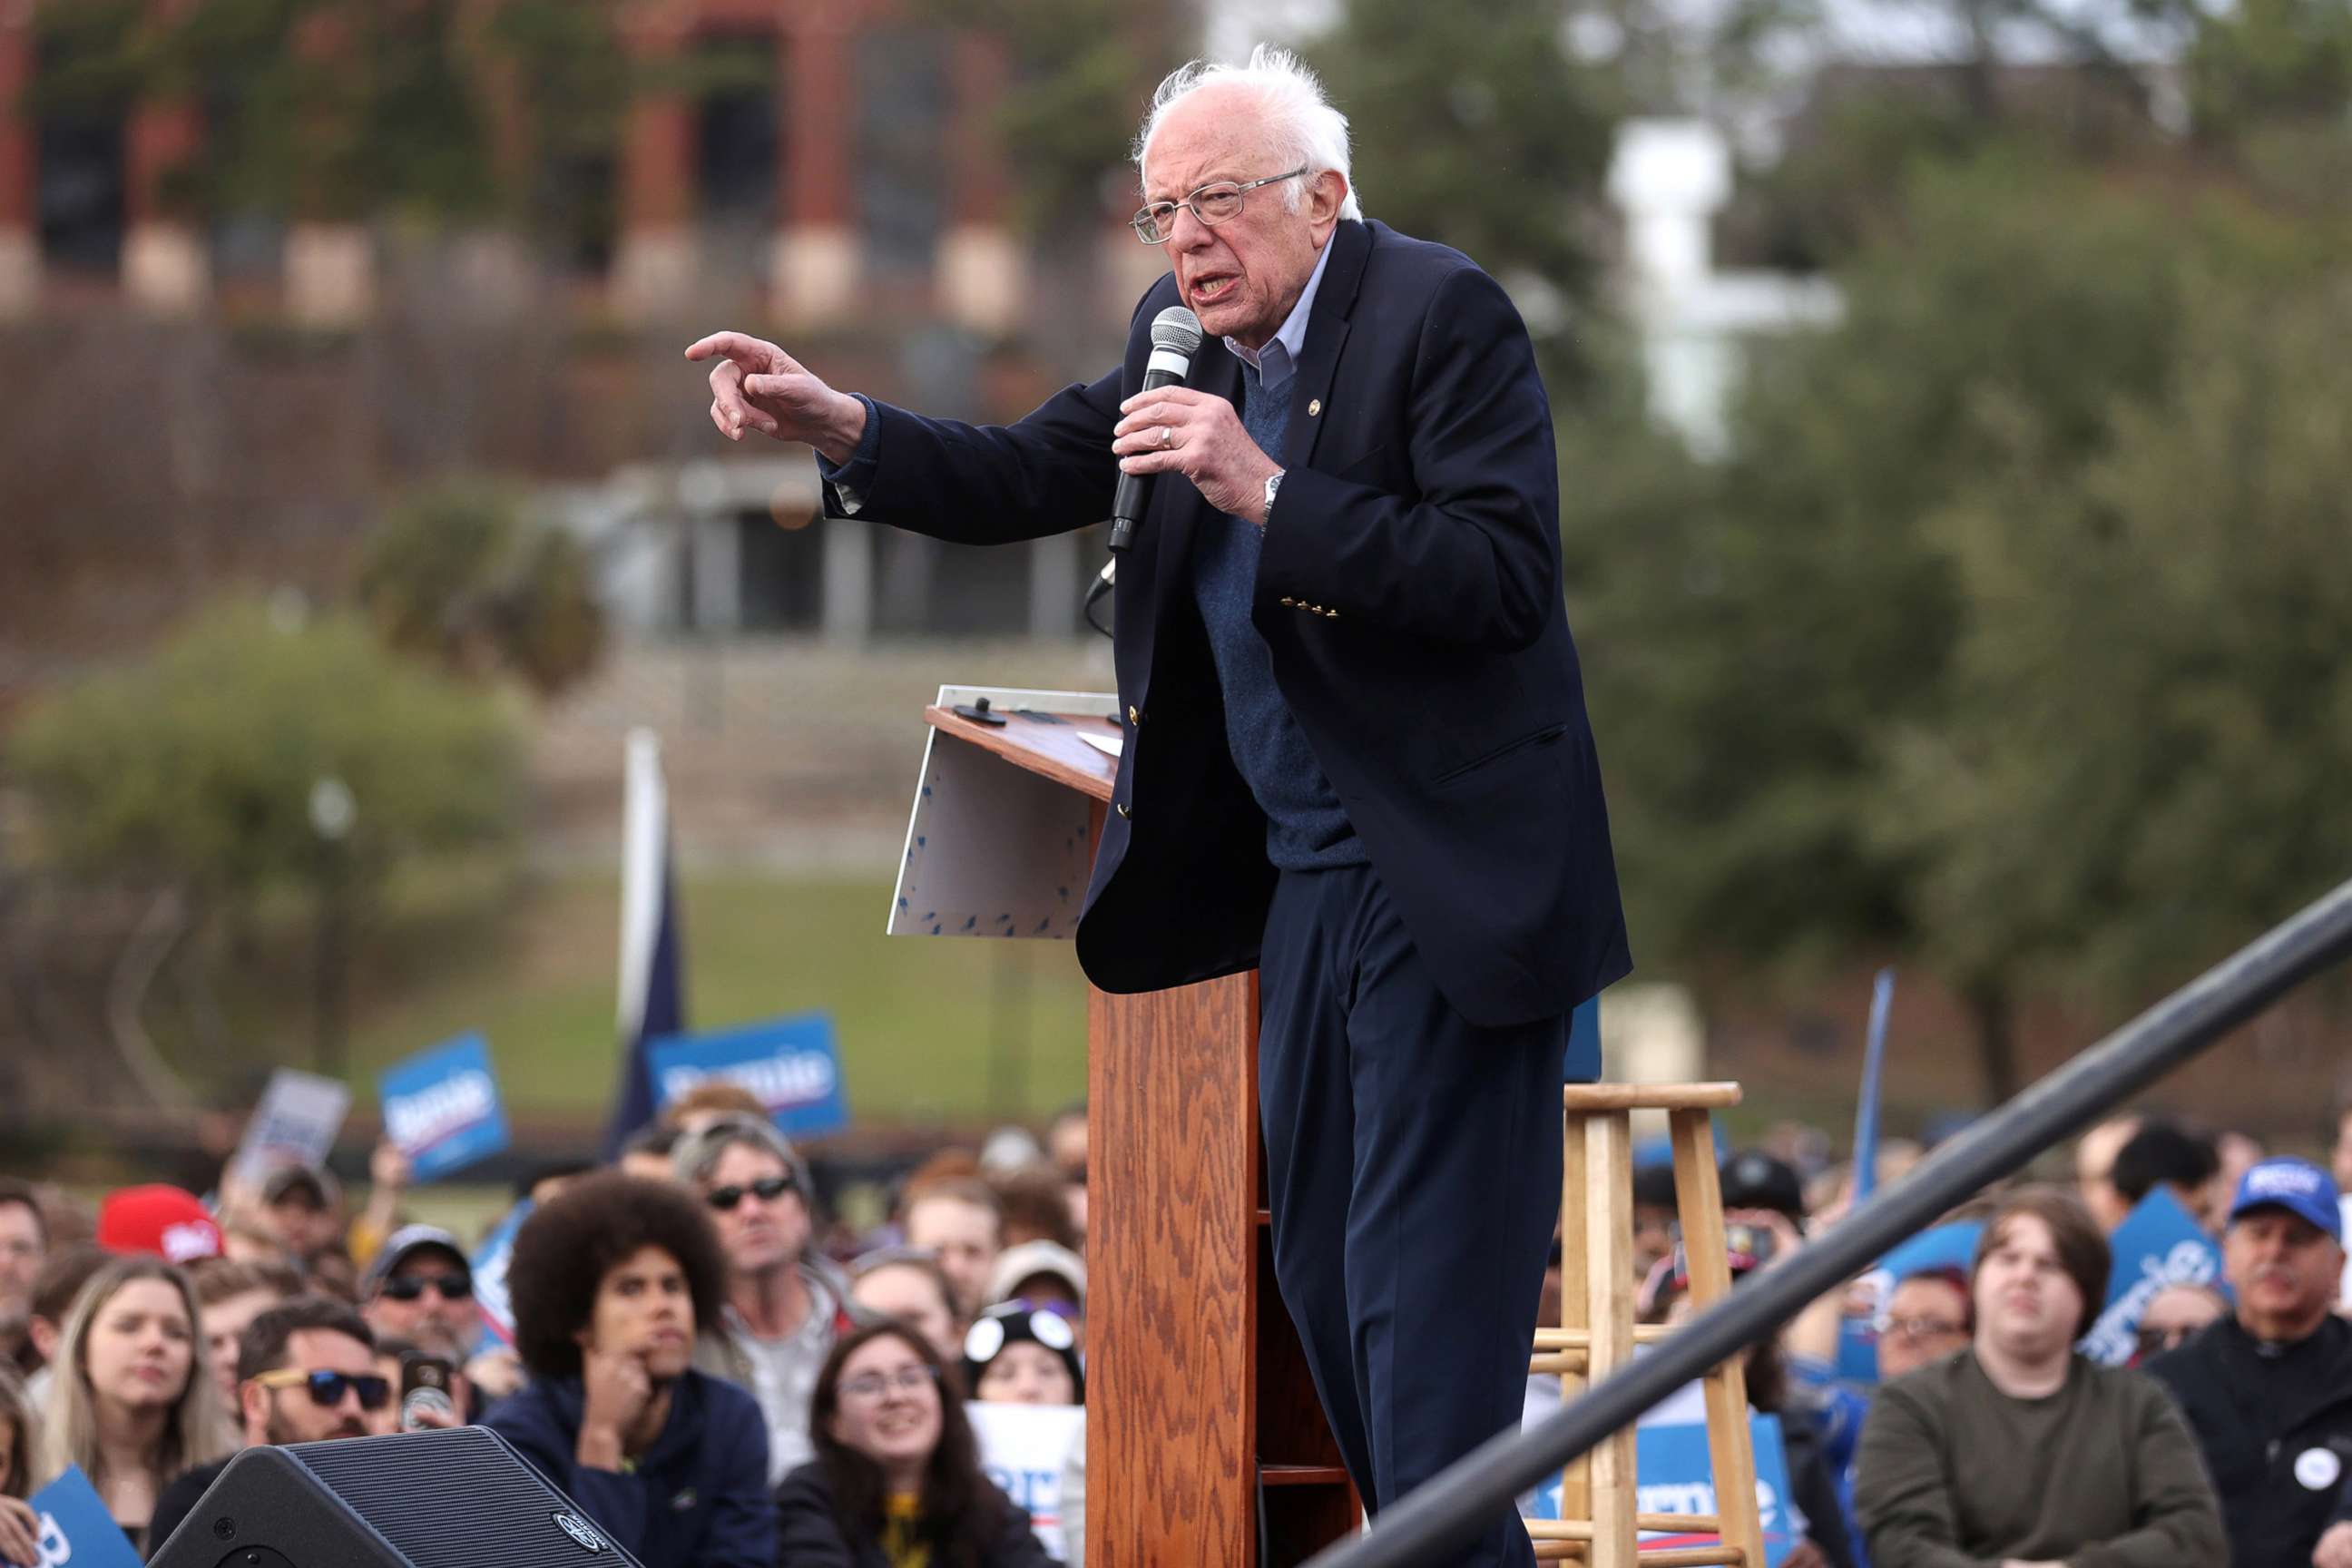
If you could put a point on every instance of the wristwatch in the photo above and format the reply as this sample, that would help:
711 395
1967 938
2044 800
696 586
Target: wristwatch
1273 483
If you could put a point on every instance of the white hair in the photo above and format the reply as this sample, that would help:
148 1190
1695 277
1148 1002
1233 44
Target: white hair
1299 120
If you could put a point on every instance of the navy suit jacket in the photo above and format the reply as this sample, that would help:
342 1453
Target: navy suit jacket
1408 591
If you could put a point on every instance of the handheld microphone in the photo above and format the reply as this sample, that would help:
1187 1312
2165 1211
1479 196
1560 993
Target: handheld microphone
1175 338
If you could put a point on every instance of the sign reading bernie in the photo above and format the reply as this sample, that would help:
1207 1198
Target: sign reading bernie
792 1065
441 1107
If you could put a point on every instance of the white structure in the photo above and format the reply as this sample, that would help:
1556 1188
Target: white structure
739 546
1670 177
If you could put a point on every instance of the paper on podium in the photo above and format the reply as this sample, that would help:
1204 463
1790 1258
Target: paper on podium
991 850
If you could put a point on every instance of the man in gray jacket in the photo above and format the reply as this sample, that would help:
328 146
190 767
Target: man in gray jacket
783 1312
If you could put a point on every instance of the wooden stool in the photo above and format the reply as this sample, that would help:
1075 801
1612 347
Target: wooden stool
1598 1523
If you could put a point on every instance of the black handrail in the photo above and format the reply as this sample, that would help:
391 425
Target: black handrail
1456 1505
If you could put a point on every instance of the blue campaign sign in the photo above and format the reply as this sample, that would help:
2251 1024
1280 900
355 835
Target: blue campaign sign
793 1065
1939 1247
490 1271
2158 1244
441 1107
76 1528
1671 1474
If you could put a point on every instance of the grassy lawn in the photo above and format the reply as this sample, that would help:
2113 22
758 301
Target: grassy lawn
930 1028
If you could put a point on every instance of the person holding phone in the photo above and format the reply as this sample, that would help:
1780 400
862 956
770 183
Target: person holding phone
305 1374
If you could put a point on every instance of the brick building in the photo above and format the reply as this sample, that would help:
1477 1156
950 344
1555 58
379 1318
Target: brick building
851 165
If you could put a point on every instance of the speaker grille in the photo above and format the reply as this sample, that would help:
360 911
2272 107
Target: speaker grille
457 1499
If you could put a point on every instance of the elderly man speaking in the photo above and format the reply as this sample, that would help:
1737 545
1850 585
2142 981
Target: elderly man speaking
1356 749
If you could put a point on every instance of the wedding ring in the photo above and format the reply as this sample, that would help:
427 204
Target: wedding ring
1167 438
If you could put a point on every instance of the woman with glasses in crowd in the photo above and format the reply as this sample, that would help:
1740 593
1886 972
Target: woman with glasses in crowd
20 1527
896 1481
611 1284
133 1403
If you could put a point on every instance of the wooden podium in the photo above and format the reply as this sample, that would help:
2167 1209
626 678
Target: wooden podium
1205 1443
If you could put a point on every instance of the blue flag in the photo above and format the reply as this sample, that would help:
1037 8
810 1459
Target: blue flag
653 979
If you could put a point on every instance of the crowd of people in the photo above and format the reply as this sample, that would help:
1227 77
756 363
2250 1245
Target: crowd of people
676 1341
717 1376
1985 1426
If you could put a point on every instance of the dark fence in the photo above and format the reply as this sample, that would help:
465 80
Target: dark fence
1452 1507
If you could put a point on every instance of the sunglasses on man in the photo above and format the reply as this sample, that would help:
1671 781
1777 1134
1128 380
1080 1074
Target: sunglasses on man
767 1189
409 1287
327 1388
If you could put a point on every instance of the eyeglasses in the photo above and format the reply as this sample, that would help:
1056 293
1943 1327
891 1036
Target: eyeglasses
409 1287
910 1379
767 1189
1918 1329
327 1388
1220 203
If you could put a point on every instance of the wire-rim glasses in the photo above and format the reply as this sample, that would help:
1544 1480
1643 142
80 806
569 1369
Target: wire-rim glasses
1213 204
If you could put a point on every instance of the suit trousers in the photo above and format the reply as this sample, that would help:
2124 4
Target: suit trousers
1413 1169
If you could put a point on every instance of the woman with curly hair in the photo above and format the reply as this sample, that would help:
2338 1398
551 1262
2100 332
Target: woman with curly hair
896 1481
132 1401
610 1284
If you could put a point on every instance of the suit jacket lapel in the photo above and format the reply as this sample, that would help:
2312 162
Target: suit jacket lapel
1327 334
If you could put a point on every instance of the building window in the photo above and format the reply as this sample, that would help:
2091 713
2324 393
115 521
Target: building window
737 145
902 128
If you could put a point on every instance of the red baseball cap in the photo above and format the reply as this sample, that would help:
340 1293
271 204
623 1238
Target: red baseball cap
167 1222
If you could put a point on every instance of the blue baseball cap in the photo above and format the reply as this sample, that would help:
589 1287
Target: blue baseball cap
2297 1186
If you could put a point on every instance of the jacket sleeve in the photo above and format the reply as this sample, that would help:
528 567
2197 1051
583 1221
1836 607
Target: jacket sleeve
741 1533
615 1503
1049 472
1900 1491
2176 1518
1476 560
806 1535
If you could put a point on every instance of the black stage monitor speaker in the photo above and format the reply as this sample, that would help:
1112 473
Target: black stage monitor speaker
455 1499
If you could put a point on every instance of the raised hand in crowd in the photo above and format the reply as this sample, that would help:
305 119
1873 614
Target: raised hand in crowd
20 1532
494 1375
617 1390
756 385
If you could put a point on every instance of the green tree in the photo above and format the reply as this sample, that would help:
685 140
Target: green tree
2142 762
1473 126
1774 642
195 765
458 574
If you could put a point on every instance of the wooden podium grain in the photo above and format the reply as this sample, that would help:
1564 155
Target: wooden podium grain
1205 1444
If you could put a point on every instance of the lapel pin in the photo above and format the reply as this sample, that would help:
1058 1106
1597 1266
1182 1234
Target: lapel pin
1314 406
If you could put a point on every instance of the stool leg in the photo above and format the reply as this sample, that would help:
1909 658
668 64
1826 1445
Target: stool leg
1609 1316
1575 1310
1698 1200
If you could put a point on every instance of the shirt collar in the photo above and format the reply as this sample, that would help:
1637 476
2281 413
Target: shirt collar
1275 362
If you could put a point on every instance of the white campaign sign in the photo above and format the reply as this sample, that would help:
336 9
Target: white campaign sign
1023 1449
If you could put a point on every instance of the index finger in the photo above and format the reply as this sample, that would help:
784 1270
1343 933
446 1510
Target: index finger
749 351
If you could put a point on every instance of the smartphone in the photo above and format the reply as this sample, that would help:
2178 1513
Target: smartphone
424 1387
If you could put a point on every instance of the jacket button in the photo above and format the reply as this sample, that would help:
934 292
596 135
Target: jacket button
1288 602
1331 614
1134 714
1121 809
